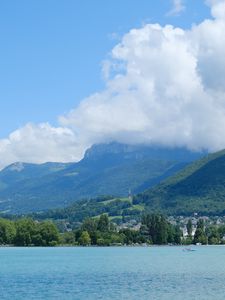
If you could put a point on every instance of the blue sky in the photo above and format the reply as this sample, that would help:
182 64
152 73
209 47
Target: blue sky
78 73
52 51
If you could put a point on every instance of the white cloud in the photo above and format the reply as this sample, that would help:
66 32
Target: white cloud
177 9
217 8
40 143
169 89
164 85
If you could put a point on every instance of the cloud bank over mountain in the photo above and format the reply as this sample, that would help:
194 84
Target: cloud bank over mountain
164 86
40 143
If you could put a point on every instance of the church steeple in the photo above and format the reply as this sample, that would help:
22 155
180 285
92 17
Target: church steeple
130 195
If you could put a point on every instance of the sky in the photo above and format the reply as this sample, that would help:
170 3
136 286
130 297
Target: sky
75 73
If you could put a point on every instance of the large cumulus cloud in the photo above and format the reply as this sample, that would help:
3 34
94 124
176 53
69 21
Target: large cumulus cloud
164 86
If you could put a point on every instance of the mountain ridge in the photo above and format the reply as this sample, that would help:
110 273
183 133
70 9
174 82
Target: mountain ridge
106 169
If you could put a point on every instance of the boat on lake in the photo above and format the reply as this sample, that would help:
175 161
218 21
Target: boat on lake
188 249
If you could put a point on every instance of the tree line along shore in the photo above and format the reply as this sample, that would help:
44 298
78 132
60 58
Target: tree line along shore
154 230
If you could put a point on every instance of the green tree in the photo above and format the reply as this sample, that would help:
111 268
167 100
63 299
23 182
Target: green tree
89 225
200 236
157 227
213 235
33 233
221 231
25 230
49 233
177 235
189 228
7 231
68 238
84 239
103 223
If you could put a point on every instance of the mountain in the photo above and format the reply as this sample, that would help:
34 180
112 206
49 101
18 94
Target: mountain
199 188
106 169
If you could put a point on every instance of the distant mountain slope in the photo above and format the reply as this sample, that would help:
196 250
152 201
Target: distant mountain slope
19 171
200 188
106 169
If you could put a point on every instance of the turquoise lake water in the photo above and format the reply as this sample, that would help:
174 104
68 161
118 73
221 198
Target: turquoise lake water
112 273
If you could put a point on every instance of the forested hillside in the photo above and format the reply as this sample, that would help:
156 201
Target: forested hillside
200 187
106 169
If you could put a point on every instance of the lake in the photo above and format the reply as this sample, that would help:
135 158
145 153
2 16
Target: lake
112 273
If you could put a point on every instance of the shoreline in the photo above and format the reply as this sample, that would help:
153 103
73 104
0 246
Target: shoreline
116 246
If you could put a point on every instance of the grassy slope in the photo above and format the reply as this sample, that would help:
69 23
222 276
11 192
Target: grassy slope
116 208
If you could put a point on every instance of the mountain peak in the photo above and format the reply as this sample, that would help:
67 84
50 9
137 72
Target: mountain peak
17 166
143 150
108 148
